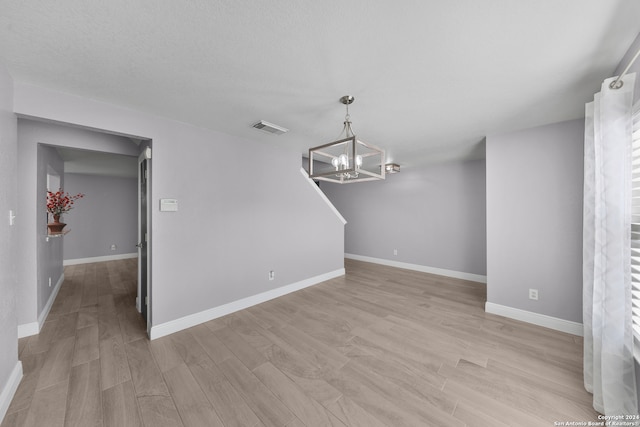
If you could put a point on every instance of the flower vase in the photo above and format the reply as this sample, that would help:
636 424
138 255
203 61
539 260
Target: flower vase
56 226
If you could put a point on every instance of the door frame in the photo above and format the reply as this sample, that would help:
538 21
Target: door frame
144 157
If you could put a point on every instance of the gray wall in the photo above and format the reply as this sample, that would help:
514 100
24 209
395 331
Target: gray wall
534 219
8 234
434 216
107 215
32 273
49 256
237 219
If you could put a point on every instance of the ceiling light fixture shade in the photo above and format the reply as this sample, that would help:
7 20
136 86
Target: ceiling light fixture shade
348 159
392 168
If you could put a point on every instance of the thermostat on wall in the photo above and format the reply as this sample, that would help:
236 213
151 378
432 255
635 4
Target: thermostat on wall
168 205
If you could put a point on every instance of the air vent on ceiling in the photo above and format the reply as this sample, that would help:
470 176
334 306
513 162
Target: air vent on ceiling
270 127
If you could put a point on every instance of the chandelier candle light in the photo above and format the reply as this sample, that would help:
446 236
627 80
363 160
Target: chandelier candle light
346 160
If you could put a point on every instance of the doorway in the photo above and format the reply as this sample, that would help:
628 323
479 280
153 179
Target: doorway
105 167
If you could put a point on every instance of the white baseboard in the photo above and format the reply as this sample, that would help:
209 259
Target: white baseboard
421 268
28 329
535 318
52 298
9 389
99 259
158 331
33 328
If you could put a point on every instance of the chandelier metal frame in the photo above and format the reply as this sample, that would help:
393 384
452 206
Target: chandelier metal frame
348 159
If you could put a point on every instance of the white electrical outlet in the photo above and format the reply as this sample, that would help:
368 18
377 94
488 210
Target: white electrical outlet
272 275
113 247
49 281
533 294
395 252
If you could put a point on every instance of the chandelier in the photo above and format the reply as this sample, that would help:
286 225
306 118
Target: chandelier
348 159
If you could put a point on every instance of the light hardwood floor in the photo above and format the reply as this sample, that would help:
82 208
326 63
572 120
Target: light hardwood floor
378 347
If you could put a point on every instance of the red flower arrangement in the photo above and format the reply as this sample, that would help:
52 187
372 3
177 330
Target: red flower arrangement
61 202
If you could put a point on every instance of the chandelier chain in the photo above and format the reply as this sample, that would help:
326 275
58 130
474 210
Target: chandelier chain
347 129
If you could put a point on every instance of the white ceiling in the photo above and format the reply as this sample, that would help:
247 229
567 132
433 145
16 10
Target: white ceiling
430 79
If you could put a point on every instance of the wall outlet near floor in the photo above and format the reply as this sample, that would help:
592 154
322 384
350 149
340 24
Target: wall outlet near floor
533 294
113 247
49 281
395 252
272 275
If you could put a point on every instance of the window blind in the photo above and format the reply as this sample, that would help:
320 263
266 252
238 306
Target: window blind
635 221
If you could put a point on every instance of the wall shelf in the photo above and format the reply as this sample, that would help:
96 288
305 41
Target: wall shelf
56 235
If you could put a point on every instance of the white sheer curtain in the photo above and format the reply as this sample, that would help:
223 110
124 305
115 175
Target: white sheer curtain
608 337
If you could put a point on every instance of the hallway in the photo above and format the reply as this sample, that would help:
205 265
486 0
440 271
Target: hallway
80 350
